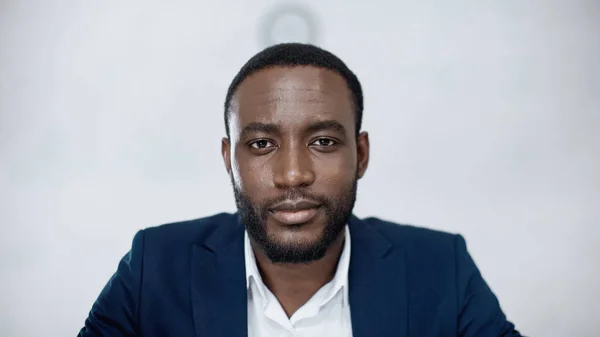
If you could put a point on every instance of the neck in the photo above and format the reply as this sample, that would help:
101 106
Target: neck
294 284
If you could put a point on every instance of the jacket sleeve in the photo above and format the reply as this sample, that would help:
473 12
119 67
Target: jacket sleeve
115 311
479 313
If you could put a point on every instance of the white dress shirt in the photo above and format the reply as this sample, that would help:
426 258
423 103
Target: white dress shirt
327 313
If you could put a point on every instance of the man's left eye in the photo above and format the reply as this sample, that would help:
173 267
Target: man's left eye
324 142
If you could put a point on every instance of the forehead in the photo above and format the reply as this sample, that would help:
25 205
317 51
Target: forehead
293 96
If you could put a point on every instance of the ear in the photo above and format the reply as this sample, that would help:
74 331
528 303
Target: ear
363 149
226 153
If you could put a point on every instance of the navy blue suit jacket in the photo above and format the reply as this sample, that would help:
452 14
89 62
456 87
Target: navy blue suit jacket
188 279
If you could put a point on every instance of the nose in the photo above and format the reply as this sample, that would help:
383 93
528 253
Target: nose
294 168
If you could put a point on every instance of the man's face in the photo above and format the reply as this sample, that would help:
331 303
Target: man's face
294 160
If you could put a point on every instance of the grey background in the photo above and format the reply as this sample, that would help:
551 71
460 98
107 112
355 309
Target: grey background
483 116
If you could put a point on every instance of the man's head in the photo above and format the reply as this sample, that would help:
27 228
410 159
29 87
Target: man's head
294 150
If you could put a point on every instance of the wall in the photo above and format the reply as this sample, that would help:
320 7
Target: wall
483 117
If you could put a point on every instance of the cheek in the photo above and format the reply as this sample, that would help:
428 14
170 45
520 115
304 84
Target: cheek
251 176
336 171
236 174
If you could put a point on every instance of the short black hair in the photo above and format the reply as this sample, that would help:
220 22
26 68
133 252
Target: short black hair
298 54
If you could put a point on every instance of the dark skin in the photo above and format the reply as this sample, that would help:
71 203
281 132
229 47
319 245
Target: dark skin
294 128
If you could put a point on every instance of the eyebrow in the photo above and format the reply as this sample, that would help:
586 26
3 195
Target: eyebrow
259 128
327 125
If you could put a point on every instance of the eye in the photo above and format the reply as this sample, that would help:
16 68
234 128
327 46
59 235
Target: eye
324 142
261 144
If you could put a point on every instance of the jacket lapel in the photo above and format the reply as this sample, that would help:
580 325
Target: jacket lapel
219 296
377 284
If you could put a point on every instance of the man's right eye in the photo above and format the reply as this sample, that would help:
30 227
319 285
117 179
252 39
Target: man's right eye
261 144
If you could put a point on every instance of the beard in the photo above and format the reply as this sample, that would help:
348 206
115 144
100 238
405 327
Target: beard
254 216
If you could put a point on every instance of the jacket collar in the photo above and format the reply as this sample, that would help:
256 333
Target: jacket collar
376 282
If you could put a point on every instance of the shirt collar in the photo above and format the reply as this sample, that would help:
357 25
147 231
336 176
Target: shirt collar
339 281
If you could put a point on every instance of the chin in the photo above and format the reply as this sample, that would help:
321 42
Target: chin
300 233
296 238
295 253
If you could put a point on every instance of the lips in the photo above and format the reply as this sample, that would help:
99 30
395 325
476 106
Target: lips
293 212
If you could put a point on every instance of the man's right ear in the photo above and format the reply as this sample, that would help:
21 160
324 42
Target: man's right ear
226 153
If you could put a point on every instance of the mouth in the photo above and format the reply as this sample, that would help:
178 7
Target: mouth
295 212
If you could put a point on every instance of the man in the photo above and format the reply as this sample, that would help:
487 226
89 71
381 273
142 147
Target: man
294 261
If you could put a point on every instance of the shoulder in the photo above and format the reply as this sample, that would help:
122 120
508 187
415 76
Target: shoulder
430 256
409 234
186 233
418 242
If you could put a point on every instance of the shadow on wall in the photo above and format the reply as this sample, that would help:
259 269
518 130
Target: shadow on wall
289 23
